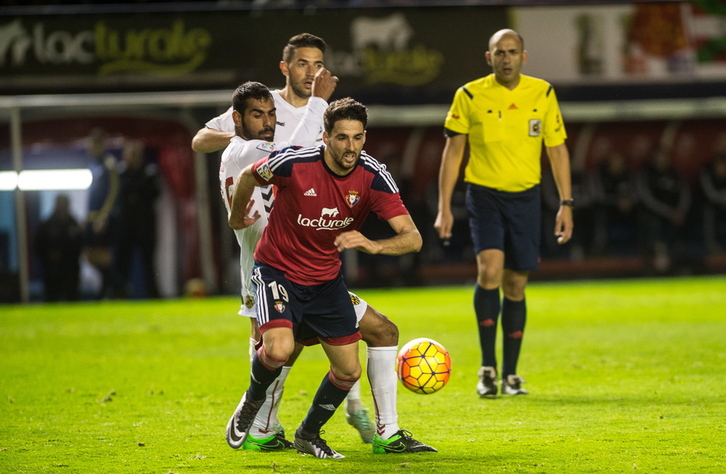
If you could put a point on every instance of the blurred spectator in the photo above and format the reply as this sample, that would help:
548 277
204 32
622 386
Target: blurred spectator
617 220
58 243
136 236
101 206
713 187
666 199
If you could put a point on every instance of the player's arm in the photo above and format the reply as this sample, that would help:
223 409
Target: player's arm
242 202
308 129
207 140
560 161
407 239
448 175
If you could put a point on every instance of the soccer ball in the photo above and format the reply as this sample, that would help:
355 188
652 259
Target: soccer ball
424 366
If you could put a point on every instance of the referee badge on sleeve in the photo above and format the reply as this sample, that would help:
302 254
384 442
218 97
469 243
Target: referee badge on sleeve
535 127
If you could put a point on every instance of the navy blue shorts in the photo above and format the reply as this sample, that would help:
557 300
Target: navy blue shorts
510 222
322 311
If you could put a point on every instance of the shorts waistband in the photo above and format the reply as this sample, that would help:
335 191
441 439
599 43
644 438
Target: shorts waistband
505 194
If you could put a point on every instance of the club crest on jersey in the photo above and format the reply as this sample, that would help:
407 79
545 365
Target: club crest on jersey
535 127
352 198
279 306
264 171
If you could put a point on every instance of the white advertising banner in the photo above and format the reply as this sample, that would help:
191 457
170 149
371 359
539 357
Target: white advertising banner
640 42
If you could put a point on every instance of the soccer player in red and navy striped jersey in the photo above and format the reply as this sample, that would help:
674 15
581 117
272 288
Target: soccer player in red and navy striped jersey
324 195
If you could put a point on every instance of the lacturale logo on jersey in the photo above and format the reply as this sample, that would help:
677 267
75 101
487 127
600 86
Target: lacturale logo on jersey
326 221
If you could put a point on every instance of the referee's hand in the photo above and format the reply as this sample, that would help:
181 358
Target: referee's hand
443 225
564 224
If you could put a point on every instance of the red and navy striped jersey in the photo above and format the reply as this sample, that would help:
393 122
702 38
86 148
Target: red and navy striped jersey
313 205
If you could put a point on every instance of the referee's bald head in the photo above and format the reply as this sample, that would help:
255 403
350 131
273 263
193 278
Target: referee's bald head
501 34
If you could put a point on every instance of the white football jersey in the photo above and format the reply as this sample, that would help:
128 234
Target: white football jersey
238 155
287 119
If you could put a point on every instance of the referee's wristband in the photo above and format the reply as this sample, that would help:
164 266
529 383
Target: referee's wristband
568 202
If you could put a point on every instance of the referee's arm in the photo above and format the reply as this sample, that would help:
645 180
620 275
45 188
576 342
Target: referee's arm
560 161
448 175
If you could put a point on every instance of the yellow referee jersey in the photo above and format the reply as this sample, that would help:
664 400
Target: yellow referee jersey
506 129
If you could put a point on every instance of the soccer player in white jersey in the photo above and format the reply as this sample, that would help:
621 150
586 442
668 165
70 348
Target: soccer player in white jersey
302 57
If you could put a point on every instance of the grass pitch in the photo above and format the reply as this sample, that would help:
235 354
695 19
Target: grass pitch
624 376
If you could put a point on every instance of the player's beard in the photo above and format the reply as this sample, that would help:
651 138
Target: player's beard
267 133
298 88
343 164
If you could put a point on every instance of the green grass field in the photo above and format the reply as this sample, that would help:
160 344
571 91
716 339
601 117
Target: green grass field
624 376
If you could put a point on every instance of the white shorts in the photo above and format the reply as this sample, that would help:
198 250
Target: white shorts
249 307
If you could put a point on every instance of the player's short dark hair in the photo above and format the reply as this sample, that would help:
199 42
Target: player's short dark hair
303 40
249 90
345 109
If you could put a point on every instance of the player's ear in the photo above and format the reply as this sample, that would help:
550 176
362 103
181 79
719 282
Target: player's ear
488 57
237 117
524 56
326 137
284 69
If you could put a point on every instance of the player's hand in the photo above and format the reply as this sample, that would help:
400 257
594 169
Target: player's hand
355 240
324 84
247 220
564 224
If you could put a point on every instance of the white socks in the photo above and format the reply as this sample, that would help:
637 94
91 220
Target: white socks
352 401
381 367
253 351
384 383
266 422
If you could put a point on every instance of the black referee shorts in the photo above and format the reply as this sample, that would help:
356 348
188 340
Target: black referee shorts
511 222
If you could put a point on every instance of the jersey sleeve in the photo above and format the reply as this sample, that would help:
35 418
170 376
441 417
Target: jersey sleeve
246 152
388 205
222 123
308 130
386 200
457 119
262 170
554 129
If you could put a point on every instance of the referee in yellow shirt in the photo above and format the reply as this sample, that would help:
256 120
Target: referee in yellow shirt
505 117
